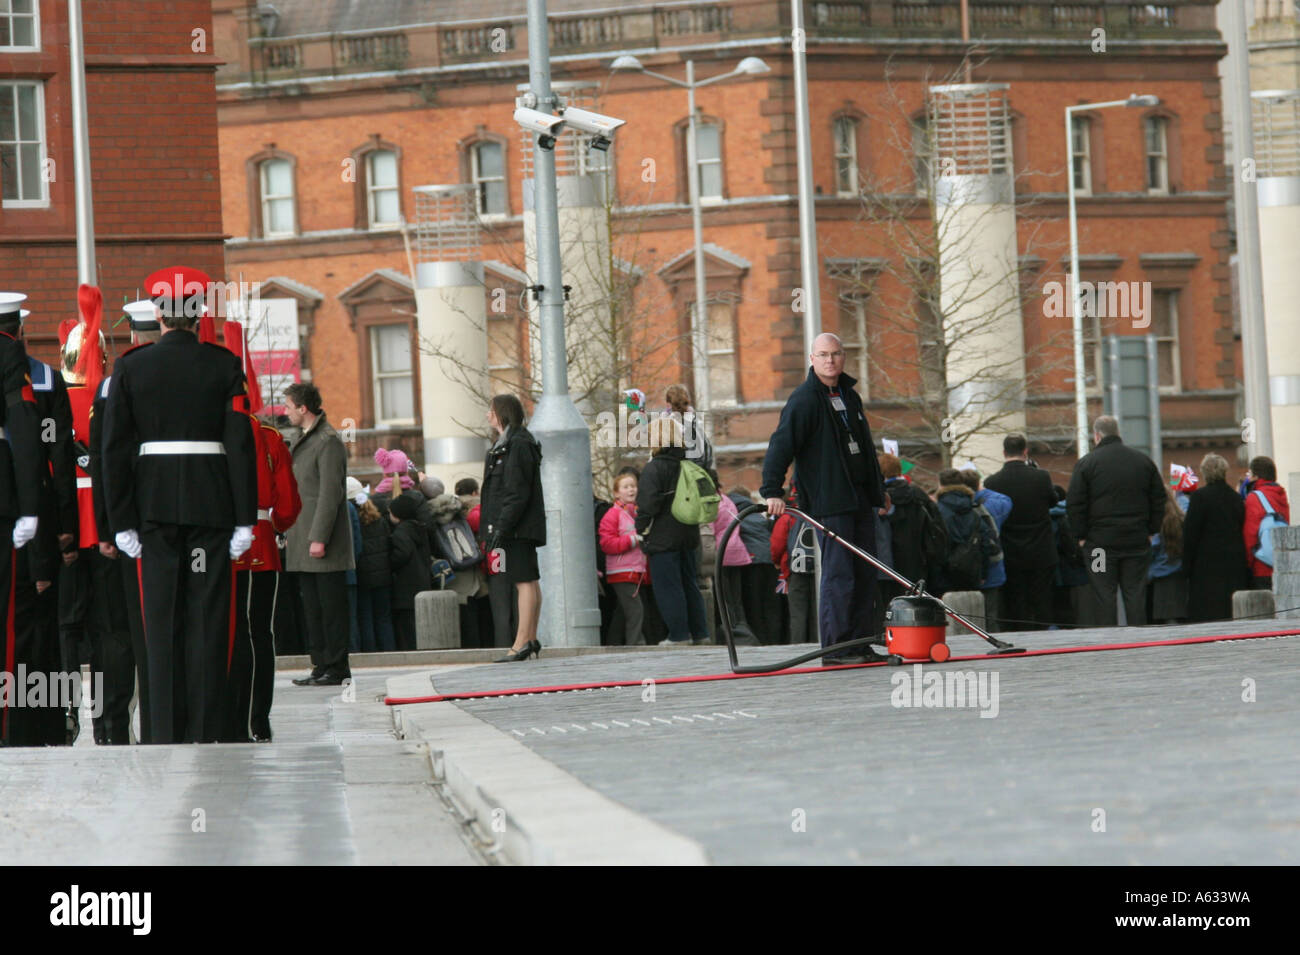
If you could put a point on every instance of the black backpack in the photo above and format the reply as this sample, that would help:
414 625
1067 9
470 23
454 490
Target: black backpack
967 562
601 508
454 542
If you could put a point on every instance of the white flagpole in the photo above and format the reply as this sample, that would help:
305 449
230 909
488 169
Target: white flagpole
86 272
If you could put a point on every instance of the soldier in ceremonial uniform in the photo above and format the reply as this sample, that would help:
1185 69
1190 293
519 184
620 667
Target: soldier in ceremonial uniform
257 579
122 571
181 491
40 565
92 583
21 477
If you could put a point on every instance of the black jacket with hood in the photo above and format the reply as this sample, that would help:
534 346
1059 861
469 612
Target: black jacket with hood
511 504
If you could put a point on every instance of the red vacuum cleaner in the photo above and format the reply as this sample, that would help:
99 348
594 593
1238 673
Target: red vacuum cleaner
916 620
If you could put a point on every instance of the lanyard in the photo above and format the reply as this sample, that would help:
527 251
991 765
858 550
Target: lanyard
843 410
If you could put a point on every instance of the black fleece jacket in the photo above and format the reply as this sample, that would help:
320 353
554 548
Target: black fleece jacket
809 433
512 508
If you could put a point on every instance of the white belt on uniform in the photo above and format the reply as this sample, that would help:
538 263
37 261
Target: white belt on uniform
182 447
263 515
4 435
83 483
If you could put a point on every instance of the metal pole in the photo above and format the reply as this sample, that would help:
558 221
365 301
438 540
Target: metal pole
700 314
1076 313
570 613
812 298
1250 273
85 212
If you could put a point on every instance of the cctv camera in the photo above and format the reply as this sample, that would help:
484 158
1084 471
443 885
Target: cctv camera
545 125
593 123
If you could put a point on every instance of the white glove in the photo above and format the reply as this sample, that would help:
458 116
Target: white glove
240 541
24 530
128 542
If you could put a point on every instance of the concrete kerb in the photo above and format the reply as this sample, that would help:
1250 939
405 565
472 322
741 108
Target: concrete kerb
537 813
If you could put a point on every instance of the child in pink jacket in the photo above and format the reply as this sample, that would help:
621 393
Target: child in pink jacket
734 558
625 563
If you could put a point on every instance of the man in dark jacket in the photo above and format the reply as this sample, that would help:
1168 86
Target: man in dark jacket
1115 504
823 430
1028 548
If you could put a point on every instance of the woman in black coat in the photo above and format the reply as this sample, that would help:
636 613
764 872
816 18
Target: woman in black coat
412 563
1214 552
512 525
672 549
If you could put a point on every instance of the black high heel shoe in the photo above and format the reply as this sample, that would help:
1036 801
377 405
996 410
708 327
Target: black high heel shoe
532 649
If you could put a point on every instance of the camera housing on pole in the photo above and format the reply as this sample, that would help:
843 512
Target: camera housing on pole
600 127
546 125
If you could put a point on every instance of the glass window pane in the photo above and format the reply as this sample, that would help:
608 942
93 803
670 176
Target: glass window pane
494 198
279 215
29 161
386 207
5 38
24 31
707 143
722 379
23 6
395 398
277 181
392 345
1153 136
1165 363
7 128
9 171
711 179
1162 315
28 128
844 174
721 330
490 160
383 168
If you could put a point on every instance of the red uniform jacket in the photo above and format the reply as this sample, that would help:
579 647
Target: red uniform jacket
82 398
278 503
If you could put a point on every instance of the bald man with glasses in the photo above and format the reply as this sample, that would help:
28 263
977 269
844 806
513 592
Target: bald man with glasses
824 432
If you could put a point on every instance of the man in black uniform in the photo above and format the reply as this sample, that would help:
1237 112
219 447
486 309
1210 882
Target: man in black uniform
20 484
178 462
122 572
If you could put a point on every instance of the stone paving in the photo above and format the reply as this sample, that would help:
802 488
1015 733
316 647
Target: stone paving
335 787
823 768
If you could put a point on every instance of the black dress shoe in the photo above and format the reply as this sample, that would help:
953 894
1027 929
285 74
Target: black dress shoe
304 680
328 679
532 648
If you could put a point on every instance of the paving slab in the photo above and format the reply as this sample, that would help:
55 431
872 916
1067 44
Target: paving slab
1168 755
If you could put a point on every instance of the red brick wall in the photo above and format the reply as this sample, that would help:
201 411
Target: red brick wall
154 169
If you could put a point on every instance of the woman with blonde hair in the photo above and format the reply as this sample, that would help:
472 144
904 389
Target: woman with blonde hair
1214 553
672 548
698 447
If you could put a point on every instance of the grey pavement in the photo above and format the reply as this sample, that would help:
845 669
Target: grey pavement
335 787
1158 745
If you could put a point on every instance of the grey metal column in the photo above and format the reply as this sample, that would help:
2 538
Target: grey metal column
570 613
810 273
86 273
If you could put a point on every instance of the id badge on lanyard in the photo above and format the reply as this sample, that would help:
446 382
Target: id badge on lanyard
837 403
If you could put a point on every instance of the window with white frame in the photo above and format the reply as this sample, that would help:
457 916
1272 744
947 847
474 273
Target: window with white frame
488 168
722 353
277 197
846 156
22 145
853 335
599 164
1081 128
20 27
1157 154
504 354
381 189
708 155
921 158
1164 325
390 366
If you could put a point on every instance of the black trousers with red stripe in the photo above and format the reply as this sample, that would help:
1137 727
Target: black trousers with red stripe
252 661
30 647
187 595
128 576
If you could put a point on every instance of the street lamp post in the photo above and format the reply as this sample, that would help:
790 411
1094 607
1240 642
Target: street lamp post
749 66
1076 313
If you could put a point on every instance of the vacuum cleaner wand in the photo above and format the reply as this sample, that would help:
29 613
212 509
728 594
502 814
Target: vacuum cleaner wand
916 589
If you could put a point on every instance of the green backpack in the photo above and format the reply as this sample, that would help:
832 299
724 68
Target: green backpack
696 498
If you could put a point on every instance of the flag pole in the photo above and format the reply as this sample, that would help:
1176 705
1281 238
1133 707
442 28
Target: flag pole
86 273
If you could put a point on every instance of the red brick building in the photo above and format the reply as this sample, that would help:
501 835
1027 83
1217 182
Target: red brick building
152 115
311 92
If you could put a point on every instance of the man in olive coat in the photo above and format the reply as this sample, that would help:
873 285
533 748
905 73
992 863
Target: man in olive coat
319 552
